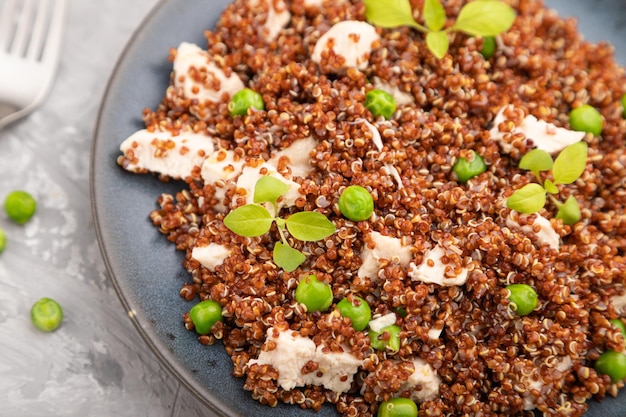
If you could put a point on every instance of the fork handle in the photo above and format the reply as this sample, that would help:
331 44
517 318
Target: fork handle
15 83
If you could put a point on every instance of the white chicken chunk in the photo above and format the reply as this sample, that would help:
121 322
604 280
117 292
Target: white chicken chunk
335 370
545 136
200 78
211 255
385 247
171 155
278 17
433 270
351 40
423 382
546 233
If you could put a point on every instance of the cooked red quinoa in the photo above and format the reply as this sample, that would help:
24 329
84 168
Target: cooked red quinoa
487 357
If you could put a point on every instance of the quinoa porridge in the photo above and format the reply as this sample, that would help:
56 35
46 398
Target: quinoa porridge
438 258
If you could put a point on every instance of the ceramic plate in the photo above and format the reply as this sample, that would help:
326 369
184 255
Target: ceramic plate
145 268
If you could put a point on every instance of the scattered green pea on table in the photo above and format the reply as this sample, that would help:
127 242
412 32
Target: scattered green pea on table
204 315
466 169
316 295
243 100
397 407
358 310
523 298
46 314
3 240
356 203
380 103
20 206
586 118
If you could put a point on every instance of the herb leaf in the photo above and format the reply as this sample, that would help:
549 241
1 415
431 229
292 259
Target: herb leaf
249 220
280 222
287 257
484 18
479 18
566 168
269 189
536 161
309 226
570 163
550 187
391 14
434 15
438 43
528 199
569 211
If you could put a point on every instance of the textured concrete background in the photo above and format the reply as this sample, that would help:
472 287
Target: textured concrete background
96 364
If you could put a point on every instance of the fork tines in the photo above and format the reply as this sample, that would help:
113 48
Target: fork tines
30 27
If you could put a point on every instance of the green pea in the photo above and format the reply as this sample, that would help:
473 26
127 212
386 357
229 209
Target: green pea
380 103
465 170
356 203
489 47
401 311
397 407
586 119
620 325
204 315
358 310
3 240
388 337
523 298
314 294
20 206
244 99
624 106
613 364
46 314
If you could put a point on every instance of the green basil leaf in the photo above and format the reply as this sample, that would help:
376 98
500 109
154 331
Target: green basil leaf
569 211
249 220
485 18
550 187
269 189
570 163
434 15
280 223
437 43
309 226
529 199
391 13
287 257
536 161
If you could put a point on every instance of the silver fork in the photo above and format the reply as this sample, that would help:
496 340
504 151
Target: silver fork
30 45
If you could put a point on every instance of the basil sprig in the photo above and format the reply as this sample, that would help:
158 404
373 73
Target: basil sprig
478 18
253 220
568 166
